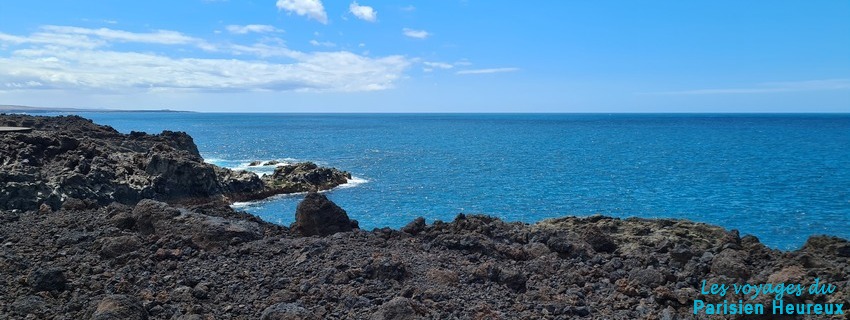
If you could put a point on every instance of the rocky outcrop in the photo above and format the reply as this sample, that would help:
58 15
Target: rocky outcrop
318 216
72 158
165 261
304 177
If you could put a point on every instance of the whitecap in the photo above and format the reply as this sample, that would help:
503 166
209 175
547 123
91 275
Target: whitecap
353 182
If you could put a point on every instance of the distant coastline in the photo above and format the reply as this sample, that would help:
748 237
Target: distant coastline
29 109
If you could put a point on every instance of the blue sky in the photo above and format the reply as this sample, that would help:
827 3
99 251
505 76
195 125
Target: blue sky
428 56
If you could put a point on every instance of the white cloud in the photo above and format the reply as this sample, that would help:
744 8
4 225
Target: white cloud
310 8
772 87
158 37
255 28
366 13
323 44
48 59
438 65
488 71
408 8
418 34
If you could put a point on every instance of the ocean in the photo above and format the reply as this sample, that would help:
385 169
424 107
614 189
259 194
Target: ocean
778 177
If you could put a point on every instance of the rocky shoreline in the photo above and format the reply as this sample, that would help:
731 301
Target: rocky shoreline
95 224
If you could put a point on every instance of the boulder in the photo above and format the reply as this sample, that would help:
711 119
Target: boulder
47 279
414 227
316 215
599 240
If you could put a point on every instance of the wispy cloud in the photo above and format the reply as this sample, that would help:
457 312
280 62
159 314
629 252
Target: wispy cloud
437 65
251 28
157 37
366 13
770 87
418 34
311 8
488 71
92 60
323 43
408 8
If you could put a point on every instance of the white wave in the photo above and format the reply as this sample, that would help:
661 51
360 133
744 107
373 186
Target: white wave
238 205
245 164
353 182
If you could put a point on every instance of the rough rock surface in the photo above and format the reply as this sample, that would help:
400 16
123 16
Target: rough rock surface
203 260
304 177
69 157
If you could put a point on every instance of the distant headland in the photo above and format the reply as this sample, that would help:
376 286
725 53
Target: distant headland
30 109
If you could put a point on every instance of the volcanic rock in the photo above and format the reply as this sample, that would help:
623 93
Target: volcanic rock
316 215
48 279
305 176
286 311
119 307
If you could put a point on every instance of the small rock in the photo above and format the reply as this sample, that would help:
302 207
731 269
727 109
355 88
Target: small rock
123 220
730 263
49 279
45 209
147 212
599 240
216 232
646 278
119 307
681 253
286 311
442 276
415 227
398 308
536 250
386 269
560 245
71 204
29 305
167 254
201 290
117 246
492 272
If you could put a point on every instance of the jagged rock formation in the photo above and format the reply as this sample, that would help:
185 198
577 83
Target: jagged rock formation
71 157
305 176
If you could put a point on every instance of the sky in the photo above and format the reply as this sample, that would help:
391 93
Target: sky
427 56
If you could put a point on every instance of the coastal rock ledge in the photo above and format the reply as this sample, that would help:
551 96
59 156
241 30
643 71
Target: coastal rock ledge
164 252
70 157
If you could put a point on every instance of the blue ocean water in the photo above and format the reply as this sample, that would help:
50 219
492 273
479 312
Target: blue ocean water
781 178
